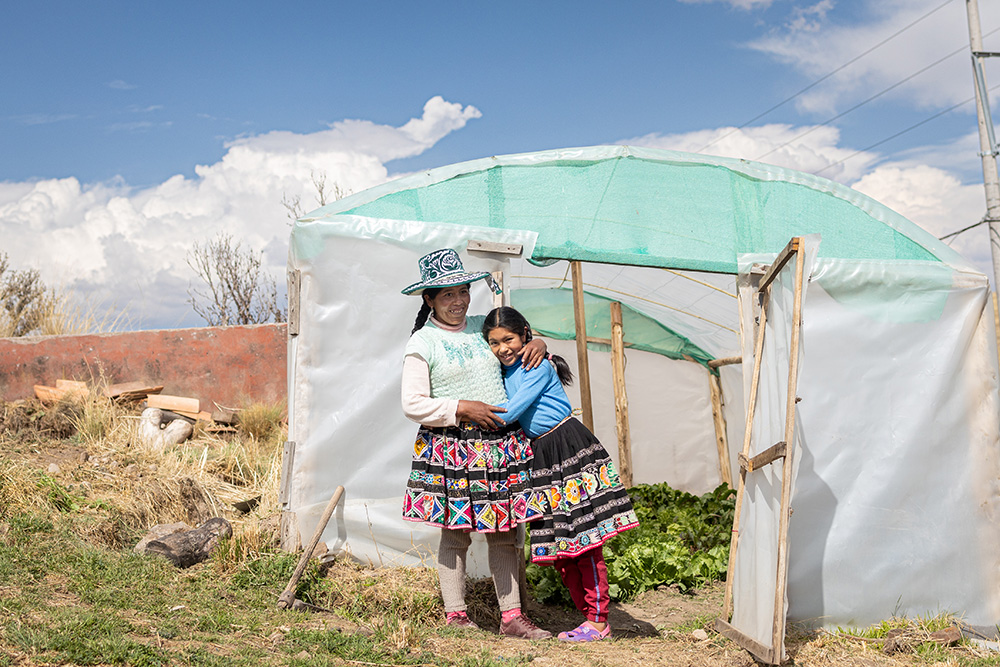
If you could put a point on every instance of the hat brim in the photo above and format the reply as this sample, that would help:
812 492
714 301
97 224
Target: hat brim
446 281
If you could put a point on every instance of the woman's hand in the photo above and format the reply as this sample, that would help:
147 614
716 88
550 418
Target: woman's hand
484 414
533 353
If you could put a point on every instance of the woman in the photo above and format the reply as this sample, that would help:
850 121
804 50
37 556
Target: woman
471 471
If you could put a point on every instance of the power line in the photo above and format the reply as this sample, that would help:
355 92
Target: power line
862 103
901 132
965 229
825 77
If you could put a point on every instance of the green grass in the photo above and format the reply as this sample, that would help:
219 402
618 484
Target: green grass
64 600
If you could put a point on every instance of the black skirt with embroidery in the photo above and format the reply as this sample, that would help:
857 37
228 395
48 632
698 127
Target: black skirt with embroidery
579 493
468 478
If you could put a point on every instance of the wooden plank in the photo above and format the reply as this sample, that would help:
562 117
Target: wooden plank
73 387
514 249
778 641
791 249
181 404
725 361
48 395
727 608
772 453
284 486
621 396
583 361
758 650
498 299
131 391
719 421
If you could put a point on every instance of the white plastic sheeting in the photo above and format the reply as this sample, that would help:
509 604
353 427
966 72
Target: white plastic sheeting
895 500
344 375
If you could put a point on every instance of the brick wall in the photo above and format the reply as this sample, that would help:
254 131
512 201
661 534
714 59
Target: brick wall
224 365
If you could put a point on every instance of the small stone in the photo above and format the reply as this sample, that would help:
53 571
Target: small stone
131 469
153 467
84 456
700 635
303 655
54 469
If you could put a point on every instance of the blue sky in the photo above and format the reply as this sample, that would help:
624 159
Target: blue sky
129 130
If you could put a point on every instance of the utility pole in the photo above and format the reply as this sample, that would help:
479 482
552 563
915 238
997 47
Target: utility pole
987 143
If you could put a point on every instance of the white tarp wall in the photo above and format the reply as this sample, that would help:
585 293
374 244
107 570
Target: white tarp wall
670 415
344 375
895 501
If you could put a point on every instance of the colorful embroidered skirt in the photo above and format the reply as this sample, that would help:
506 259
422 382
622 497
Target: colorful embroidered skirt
579 492
467 478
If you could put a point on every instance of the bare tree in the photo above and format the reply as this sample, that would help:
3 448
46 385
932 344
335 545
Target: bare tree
236 290
24 299
323 196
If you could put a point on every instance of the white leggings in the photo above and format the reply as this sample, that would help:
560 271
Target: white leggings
503 556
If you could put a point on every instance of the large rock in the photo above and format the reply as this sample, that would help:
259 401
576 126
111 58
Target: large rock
160 433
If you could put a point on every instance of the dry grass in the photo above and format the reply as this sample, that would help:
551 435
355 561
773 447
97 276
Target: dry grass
139 485
64 313
383 597
260 421
61 312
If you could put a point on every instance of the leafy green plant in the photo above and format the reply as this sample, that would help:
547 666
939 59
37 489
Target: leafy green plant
682 540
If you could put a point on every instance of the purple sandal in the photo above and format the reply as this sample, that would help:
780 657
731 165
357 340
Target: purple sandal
585 632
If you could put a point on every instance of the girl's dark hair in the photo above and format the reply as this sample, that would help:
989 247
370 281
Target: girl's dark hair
425 309
512 320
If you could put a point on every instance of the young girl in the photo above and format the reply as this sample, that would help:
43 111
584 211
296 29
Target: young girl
576 485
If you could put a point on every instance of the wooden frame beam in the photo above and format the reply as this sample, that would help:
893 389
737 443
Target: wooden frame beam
621 396
791 249
719 421
769 455
583 361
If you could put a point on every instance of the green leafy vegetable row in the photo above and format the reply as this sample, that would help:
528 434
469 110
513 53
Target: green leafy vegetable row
682 539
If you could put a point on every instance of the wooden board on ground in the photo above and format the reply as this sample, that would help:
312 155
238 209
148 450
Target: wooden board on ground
131 391
181 404
52 395
73 387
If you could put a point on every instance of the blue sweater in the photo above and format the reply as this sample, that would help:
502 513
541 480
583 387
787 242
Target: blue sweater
536 398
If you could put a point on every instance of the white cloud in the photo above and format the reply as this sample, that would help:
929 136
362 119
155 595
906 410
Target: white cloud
118 84
817 40
809 148
128 246
937 201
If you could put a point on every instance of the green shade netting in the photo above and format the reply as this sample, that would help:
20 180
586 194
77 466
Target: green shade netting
650 208
550 313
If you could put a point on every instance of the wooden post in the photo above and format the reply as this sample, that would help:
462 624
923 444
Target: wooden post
778 636
727 604
501 298
583 362
621 396
719 419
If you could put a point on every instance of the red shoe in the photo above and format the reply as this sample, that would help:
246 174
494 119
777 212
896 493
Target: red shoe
461 622
522 628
